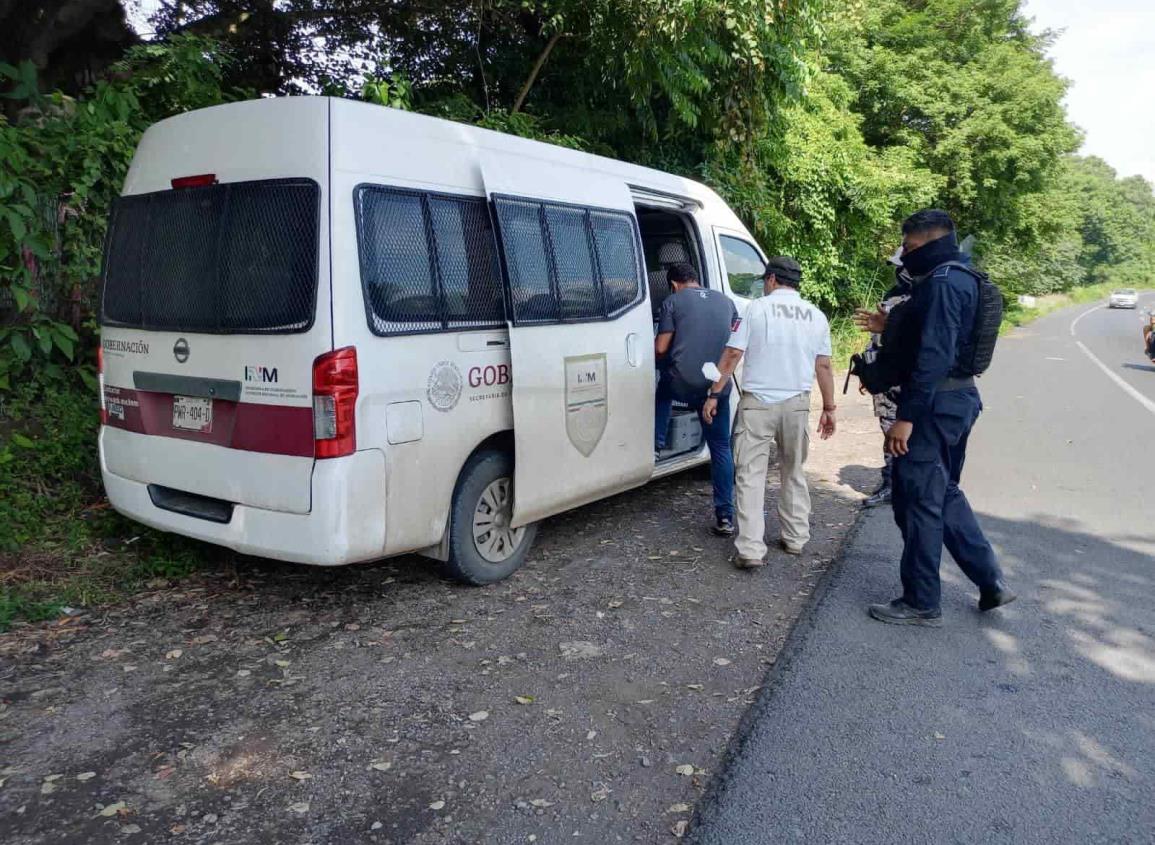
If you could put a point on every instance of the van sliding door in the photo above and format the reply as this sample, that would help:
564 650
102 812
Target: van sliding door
581 336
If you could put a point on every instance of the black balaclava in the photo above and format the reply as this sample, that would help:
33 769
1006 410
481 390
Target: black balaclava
921 261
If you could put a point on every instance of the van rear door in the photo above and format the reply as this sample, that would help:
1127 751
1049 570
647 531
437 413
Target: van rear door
581 338
216 306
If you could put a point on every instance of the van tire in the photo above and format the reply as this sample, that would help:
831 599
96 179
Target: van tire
486 478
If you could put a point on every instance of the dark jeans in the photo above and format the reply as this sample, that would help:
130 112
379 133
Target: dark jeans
931 510
717 438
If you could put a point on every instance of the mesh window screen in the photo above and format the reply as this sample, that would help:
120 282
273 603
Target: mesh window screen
567 263
527 259
617 253
427 262
234 258
579 293
467 262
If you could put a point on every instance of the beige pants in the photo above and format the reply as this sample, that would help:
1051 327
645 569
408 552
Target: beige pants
758 426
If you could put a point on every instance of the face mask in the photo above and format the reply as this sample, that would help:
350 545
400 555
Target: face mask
921 261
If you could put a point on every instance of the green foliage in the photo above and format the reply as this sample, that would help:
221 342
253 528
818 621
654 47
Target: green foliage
62 162
59 542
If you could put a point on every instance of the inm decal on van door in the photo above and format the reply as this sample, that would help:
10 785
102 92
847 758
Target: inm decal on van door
586 409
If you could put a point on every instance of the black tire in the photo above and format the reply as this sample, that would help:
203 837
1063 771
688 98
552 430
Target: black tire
467 563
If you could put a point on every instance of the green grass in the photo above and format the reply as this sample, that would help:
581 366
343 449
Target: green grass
60 543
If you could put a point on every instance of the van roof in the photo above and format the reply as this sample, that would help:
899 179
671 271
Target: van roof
350 116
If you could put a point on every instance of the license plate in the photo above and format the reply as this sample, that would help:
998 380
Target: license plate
192 414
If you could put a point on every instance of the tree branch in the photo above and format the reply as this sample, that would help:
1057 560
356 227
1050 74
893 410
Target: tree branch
524 92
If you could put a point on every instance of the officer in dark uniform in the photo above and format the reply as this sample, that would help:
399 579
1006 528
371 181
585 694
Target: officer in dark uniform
937 406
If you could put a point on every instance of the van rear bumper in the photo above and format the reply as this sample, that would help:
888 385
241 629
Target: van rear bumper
346 523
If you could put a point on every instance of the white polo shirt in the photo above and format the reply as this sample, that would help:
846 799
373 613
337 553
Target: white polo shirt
781 335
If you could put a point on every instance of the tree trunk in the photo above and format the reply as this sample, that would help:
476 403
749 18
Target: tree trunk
537 66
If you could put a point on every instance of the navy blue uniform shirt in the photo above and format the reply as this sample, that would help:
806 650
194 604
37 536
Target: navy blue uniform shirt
945 304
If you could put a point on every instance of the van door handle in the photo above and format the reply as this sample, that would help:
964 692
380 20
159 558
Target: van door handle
632 350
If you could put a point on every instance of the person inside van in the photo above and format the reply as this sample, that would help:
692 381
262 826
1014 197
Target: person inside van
694 324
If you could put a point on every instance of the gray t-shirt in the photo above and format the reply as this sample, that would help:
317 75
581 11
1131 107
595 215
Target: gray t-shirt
701 320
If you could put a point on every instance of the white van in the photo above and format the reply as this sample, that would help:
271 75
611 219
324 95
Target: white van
335 332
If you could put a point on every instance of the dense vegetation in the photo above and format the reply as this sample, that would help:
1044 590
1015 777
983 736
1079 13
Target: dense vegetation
822 123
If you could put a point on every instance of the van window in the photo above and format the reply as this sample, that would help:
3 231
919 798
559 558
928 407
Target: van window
234 258
743 266
428 261
568 263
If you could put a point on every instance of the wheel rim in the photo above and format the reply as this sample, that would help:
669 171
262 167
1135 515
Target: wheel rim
493 537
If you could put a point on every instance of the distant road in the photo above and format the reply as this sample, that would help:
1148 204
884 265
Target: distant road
1032 725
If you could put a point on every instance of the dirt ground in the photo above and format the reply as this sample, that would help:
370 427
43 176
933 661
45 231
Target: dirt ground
588 698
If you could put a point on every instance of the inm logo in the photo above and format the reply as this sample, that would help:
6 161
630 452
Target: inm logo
263 374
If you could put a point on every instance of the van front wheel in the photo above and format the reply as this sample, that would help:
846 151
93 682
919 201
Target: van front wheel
483 547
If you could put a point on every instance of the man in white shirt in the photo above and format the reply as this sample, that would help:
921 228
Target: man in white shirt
786 343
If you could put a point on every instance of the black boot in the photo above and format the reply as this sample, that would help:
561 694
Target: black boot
879 497
997 597
899 612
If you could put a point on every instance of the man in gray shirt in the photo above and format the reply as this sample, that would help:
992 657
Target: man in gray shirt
694 324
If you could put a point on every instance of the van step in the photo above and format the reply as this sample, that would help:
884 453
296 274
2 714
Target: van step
191 504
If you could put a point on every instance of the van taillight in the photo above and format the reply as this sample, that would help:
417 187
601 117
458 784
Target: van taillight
201 180
100 384
335 403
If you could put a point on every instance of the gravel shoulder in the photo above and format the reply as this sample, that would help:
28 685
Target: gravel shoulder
591 696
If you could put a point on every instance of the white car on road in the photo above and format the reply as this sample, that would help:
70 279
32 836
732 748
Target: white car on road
1125 298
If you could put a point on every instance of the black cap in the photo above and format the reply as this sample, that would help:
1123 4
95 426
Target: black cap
785 269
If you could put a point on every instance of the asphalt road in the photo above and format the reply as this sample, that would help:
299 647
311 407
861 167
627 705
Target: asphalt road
1032 724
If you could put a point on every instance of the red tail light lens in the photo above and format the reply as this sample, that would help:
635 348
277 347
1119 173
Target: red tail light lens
335 387
100 384
201 180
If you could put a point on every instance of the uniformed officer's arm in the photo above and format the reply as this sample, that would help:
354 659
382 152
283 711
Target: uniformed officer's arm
942 307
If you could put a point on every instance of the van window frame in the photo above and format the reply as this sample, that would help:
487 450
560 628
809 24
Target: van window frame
641 294
371 316
303 328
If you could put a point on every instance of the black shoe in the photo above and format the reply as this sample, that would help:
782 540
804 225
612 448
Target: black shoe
879 497
899 612
724 527
995 598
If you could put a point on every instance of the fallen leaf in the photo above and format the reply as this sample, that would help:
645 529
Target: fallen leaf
591 735
679 828
130 829
205 639
479 716
686 770
695 687
579 650
47 788
679 808
523 699
174 654
937 735
615 604
646 701
721 661
540 803
83 776
112 809
244 673
437 805
52 778
282 664
300 775
600 794
300 808
381 767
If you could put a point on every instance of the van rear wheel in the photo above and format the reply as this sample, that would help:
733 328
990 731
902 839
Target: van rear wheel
483 546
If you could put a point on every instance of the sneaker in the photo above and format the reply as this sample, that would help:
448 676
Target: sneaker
748 562
789 548
879 497
724 527
998 597
899 612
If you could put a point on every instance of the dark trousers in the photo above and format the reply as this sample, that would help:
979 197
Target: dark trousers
717 438
931 510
